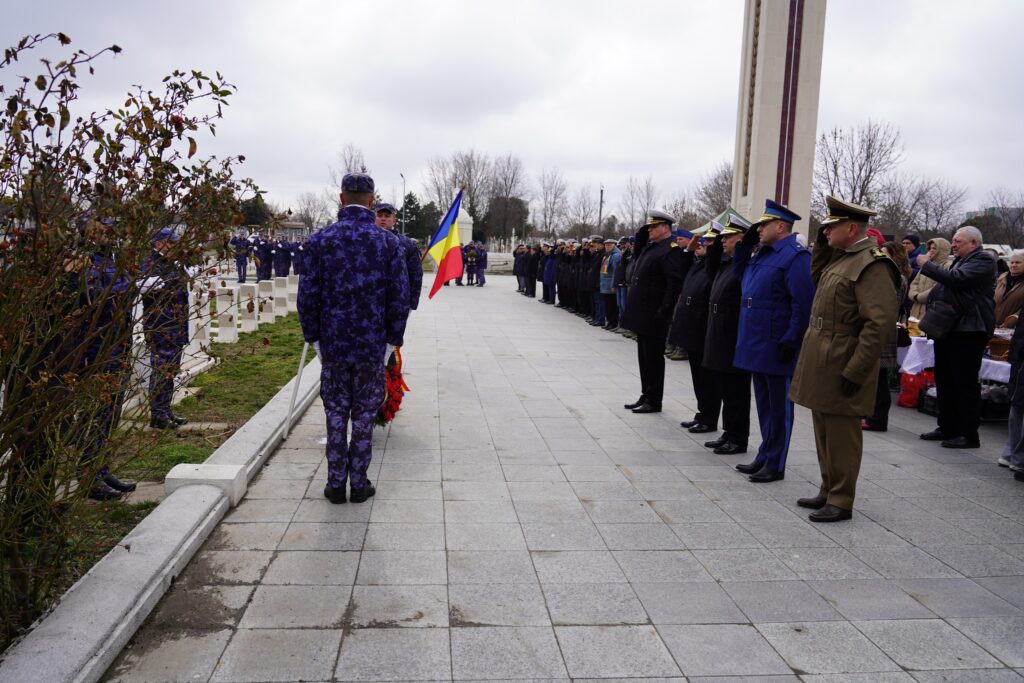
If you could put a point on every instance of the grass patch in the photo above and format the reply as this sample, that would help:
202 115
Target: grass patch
248 374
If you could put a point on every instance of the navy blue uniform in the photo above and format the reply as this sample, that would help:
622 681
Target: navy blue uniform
165 321
282 255
241 247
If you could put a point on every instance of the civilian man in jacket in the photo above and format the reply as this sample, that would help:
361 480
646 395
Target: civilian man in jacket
652 296
853 315
968 285
609 264
353 305
777 294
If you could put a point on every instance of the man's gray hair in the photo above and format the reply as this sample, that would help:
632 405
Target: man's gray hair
971 233
1016 254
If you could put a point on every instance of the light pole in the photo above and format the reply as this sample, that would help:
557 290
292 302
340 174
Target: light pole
600 208
403 202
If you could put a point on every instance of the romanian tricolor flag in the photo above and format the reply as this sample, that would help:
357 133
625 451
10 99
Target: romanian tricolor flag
444 248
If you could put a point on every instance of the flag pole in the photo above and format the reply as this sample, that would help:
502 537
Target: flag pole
295 390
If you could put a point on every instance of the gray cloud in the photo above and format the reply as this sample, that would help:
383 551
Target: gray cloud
600 90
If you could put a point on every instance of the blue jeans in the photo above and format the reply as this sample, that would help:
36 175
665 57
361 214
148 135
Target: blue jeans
620 299
598 308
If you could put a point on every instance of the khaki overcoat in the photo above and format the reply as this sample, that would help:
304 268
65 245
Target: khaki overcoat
852 318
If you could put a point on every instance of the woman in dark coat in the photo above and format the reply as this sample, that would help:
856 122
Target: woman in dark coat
689 328
720 343
1013 452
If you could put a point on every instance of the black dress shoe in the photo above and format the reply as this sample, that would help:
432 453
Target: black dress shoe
830 513
815 503
360 495
100 490
750 467
118 485
686 424
766 475
730 448
162 423
1018 475
961 442
639 402
702 429
934 435
335 494
717 443
646 408
179 420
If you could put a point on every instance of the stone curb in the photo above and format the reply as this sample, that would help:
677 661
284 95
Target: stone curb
79 639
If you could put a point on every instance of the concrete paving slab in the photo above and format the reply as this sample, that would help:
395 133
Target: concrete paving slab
395 654
629 651
709 650
926 644
278 655
492 604
480 653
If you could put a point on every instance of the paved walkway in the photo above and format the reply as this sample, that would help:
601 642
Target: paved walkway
527 527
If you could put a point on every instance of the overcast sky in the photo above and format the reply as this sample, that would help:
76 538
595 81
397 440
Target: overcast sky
598 90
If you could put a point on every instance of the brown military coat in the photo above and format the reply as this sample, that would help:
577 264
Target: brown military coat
852 317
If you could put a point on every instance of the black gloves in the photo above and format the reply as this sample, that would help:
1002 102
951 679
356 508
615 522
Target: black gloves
786 353
751 237
848 388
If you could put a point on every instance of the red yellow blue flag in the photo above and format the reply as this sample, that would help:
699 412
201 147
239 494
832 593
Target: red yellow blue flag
445 249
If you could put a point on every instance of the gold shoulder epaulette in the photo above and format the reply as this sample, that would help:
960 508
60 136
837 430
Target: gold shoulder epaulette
878 253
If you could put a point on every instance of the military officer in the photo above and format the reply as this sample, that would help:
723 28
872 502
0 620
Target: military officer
688 332
265 252
282 255
720 340
353 305
653 290
852 316
386 218
165 323
481 264
776 302
240 245
298 254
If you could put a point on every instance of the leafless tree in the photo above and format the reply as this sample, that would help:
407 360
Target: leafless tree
314 209
582 210
472 170
683 209
640 196
552 202
350 160
854 164
442 183
909 204
1007 208
713 193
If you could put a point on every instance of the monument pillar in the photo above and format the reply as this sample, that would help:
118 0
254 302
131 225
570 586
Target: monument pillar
777 117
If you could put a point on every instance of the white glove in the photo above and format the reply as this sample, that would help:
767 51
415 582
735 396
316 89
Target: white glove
388 350
316 347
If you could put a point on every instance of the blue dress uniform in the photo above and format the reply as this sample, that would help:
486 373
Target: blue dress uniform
282 254
298 253
265 252
165 322
776 304
241 246
481 265
353 301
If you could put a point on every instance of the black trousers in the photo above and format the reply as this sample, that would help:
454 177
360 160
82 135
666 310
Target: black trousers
957 363
531 286
586 302
611 309
650 352
735 387
706 387
883 401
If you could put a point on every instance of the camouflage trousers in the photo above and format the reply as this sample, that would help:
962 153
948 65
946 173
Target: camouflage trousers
350 392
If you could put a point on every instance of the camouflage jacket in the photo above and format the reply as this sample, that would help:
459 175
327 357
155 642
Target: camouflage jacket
354 294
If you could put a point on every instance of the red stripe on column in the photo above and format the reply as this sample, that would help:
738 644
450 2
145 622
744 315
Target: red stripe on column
789 98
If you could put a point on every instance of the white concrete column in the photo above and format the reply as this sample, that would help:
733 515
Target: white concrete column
777 115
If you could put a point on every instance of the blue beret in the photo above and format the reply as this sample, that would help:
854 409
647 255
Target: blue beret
684 233
632 240
357 182
165 234
773 211
384 206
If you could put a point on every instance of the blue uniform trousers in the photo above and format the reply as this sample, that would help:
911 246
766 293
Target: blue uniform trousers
775 416
165 361
350 392
242 265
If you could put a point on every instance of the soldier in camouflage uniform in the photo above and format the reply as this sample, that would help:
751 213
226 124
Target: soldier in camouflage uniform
353 304
386 215
853 316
